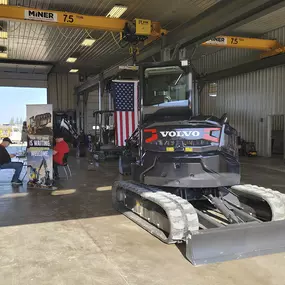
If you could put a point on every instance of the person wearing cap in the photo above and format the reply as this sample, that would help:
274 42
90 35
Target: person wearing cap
60 149
6 163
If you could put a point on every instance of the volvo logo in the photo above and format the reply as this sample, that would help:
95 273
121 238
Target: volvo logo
174 134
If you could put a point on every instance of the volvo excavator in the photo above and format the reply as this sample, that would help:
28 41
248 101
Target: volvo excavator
186 179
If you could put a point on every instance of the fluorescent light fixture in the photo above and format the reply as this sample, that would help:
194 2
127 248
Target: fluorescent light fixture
117 11
3 52
88 42
3 35
213 95
73 70
3 2
71 59
63 192
3 55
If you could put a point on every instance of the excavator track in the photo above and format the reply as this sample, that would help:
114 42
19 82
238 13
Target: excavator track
274 199
180 215
164 215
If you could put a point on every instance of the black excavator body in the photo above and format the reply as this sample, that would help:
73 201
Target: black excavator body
197 153
185 172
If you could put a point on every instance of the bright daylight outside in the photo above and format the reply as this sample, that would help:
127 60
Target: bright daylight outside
13 117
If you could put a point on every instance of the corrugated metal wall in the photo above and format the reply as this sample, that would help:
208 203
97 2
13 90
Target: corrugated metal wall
61 91
278 123
224 58
249 99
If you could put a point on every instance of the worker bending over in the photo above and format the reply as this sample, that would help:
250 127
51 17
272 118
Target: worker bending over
60 152
6 163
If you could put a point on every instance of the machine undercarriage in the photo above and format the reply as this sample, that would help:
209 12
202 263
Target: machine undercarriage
249 221
185 183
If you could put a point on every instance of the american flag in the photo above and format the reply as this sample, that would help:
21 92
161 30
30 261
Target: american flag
126 109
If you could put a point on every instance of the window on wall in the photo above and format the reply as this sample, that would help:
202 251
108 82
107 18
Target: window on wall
213 89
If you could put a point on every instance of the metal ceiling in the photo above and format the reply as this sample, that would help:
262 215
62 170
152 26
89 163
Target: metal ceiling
264 24
29 41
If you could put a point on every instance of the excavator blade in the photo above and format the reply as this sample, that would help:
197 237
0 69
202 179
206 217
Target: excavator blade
236 241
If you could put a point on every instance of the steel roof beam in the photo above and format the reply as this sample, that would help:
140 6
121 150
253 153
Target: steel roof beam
244 68
90 84
223 16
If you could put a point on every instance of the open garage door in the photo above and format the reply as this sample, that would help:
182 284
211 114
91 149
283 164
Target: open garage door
24 75
13 111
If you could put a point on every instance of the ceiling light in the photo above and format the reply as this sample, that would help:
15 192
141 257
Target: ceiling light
88 42
3 35
3 52
3 2
71 59
73 70
117 11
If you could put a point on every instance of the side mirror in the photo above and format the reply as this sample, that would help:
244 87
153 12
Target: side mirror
224 118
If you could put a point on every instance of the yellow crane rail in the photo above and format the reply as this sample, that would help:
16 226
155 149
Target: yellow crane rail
143 27
74 20
239 42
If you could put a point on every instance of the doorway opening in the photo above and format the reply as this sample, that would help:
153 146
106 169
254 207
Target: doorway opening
13 111
12 117
277 136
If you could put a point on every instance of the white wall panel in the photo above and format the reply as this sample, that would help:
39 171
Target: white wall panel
249 99
61 91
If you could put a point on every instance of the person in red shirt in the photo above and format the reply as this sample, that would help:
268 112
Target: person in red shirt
60 149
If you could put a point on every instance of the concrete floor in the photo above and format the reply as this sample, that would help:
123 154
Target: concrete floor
79 239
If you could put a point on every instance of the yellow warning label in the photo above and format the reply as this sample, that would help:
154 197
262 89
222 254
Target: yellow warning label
143 27
188 149
170 149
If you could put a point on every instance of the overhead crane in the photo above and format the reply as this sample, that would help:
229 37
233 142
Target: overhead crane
270 47
131 32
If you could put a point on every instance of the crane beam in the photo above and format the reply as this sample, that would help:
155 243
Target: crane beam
240 42
74 20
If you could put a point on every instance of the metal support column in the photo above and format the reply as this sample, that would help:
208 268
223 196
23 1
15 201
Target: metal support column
165 54
84 111
182 54
81 112
100 91
189 90
110 101
269 136
284 137
196 98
